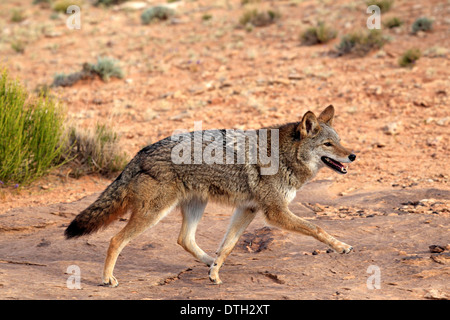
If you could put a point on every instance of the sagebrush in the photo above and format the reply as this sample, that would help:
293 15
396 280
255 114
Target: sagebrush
94 150
360 43
156 13
317 35
105 68
409 58
31 133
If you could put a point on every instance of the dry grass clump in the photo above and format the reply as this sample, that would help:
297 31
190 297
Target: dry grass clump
409 58
257 18
317 35
360 44
95 150
105 68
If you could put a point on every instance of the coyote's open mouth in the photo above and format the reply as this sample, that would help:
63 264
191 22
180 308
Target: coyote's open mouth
335 165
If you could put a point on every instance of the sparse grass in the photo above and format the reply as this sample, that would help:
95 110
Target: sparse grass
409 58
95 150
31 133
108 3
156 13
106 68
422 24
393 22
317 35
436 52
17 16
360 44
384 5
62 5
259 19
206 17
18 46
244 2
43 90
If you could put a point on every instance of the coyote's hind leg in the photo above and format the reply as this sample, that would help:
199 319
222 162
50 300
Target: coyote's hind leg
149 203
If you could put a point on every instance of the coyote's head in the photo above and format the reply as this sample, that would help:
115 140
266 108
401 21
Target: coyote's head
319 143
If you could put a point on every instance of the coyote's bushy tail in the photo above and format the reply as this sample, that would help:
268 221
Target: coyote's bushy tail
109 206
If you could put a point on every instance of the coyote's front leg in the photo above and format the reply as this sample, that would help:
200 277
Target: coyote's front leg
282 217
239 222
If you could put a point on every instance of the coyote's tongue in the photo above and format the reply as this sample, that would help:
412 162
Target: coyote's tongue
335 165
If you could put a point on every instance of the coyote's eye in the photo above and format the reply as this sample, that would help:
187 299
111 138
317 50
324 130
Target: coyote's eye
328 144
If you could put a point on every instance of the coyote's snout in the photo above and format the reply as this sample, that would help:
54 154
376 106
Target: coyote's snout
152 184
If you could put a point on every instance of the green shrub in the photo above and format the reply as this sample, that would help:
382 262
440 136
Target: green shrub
361 44
156 13
17 15
317 35
245 2
108 3
259 19
206 17
105 68
422 24
95 151
18 46
384 5
43 3
409 57
62 5
393 22
31 133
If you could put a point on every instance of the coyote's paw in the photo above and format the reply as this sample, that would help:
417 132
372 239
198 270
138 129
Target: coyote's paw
344 248
110 281
214 276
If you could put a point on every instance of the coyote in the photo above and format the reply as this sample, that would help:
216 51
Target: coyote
151 185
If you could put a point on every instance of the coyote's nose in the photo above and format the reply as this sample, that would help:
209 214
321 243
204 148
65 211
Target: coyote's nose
352 157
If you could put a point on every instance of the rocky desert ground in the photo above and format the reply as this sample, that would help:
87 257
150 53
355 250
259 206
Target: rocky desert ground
202 65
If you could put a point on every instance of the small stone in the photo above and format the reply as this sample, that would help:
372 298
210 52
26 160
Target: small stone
436 295
443 121
433 142
282 81
393 128
436 249
295 76
133 5
180 116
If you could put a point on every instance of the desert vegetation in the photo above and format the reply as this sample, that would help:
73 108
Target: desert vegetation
31 133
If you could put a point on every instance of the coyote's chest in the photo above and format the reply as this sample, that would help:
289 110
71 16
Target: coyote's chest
290 194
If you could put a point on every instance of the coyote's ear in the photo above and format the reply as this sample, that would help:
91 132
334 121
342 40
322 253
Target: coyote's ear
327 115
309 126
